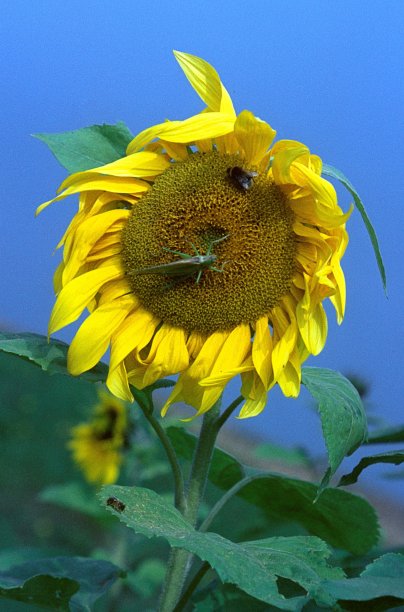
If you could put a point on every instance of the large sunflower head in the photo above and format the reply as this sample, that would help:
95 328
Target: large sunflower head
207 251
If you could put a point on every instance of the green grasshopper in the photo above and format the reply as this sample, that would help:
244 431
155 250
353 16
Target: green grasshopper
187 265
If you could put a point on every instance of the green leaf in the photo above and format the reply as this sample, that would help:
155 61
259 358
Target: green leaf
88 147
342 415
394 457
337 174
344 521
50 356
384 578
348 522
388 435
252 566
60 583
287 456
47 591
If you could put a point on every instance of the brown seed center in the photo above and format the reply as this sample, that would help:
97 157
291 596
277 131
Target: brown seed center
196 207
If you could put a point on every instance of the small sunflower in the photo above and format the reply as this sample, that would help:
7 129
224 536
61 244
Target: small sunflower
206 252
97 446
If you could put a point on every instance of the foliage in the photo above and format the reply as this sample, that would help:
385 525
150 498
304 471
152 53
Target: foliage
276 553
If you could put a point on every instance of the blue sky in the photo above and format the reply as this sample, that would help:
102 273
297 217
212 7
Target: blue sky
329 74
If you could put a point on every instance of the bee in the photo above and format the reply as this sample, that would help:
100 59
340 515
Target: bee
241 178
116 504
187 265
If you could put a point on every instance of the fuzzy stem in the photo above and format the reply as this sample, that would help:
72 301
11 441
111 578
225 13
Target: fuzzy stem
205 567
178 566
179 495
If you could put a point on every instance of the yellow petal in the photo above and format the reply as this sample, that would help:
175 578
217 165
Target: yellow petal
256 396
113 290
284 153
137 165
136 330
262 351
286 337
147 135
312 320
57 278
230 357
290 377
195 343
313 327
168 354
75 296
176 151
117 383
253 135
94 182
187 388
94 335
198 127
80 243
206 82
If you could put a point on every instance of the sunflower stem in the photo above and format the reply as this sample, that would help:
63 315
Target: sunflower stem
221 419
179 489
179 560
205 567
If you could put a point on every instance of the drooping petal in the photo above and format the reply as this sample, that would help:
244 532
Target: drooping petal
254 136
198 127
312 322
262 351
136 330
94 182
87 234
94 335
206 82
256 396
117 382
138 165
75 296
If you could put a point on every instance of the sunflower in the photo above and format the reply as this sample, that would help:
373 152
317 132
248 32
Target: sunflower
97 445
206 252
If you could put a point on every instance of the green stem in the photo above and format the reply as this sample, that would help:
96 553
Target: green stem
179 561
220 421
179 495
223 500
204 527
201 462
191 587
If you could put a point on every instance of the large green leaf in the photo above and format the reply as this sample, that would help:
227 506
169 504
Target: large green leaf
382 581
337 174
393 457
59 583
50 356
88 147
342 414
340 518
252 566
344 521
